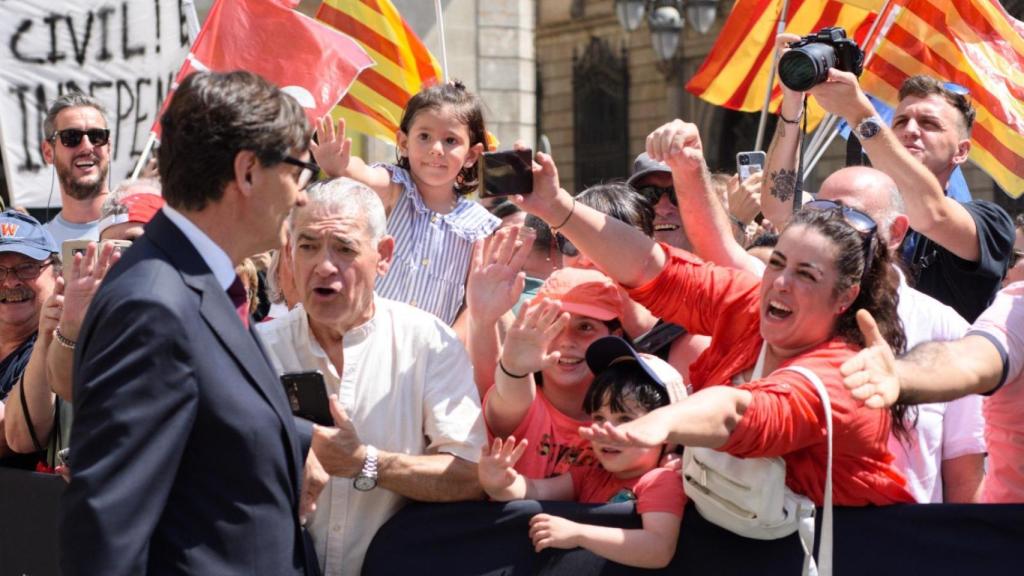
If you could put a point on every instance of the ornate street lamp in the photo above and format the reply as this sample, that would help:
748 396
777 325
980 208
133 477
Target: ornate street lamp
665 20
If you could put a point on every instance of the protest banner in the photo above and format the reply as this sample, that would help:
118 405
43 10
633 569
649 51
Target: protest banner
124 53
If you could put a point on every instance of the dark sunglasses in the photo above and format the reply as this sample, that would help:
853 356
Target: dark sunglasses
654 193
566 247
862 223
72 137
309 172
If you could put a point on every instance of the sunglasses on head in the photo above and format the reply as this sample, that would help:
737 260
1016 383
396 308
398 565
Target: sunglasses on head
654 193
862 223
72 137
956 89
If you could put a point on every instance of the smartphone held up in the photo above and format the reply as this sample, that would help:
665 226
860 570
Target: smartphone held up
506 173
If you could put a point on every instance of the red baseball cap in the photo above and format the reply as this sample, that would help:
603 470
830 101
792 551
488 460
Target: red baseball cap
583 291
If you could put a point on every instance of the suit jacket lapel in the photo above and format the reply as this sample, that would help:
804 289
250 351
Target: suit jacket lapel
221 316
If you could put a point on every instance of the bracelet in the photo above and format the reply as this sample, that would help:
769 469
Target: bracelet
509 374
63 340
788 121
566 221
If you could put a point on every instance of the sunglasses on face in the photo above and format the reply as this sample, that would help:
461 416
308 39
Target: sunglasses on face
72 137
654 193
25 272
864 225
309 172
566 247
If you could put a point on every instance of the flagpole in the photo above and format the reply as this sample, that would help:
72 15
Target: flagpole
816 152
192 23
440 29
779 29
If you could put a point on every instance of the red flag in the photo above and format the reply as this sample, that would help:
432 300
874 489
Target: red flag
310 61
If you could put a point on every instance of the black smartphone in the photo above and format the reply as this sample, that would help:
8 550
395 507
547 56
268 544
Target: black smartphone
506 173
307 396
747 163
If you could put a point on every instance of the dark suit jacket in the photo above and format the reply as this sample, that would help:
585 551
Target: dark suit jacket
184 454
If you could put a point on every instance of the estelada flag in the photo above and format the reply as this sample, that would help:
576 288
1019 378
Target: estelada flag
310 61
404 66
736 71
973 43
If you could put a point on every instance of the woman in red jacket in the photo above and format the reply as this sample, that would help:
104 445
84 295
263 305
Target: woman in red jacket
828 264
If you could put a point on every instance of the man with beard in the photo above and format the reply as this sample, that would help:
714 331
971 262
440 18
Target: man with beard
28 273
78 146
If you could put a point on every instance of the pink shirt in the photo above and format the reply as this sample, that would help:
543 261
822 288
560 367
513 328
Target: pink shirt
657 490
1003 322
555 443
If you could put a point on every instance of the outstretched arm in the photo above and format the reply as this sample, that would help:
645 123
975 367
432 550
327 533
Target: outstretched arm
706 418
930 372
931 212
652 546
619 250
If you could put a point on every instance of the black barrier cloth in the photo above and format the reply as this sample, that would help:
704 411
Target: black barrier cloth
484 538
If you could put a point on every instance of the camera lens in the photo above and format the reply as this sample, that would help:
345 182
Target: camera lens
744 160
807 66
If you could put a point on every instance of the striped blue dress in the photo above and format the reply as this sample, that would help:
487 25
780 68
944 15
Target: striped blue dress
432 250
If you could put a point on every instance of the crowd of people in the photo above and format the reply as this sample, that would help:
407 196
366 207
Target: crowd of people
550 345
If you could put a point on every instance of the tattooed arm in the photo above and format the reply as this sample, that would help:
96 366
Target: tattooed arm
779 184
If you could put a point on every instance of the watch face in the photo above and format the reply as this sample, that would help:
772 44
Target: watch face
869 128
364 483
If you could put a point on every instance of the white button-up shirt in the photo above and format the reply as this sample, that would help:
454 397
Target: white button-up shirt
407 384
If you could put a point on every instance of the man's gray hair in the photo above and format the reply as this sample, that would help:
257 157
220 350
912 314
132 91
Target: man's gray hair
114 205
346 196
65 101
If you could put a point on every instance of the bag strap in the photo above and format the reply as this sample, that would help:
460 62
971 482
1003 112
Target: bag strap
824 563
28 417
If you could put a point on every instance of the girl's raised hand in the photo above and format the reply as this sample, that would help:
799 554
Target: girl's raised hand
496 469
527 341
496 278
334 150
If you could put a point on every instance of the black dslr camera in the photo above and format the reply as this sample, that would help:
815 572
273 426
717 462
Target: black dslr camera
807 62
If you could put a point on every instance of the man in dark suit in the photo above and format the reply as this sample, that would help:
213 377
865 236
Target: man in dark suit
185 457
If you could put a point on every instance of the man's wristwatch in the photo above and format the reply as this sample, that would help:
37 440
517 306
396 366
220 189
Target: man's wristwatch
366 480
868 127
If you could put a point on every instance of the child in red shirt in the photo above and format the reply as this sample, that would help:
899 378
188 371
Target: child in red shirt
626 386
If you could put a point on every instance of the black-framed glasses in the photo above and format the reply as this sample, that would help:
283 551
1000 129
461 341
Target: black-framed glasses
24 272
654 193
309 172
862 223
72 137
566 247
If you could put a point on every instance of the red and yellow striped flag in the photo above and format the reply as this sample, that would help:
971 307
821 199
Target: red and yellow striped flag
735 73
374 104
976 44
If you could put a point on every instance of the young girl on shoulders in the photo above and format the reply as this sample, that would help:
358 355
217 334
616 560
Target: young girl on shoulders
439 141
626 386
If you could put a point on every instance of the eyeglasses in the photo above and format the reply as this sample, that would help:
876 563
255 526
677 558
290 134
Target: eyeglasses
654 193
862 223
27 271
566 247
72 137
310 170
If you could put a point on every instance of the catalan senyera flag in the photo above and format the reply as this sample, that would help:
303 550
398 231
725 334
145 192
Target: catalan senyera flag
735 73
374 104
975 44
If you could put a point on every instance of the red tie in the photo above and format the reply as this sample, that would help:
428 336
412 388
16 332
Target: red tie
240 298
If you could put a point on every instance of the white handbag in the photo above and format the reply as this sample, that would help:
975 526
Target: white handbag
749 497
